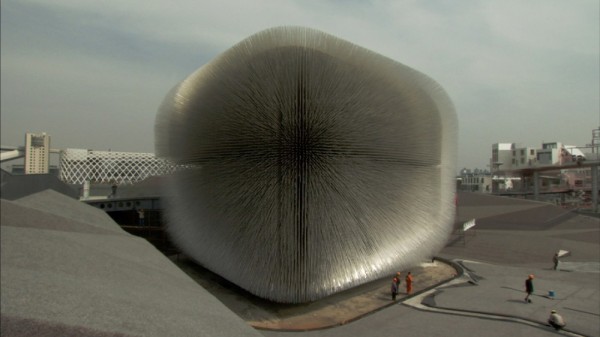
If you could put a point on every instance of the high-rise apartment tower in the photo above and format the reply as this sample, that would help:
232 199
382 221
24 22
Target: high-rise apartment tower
37 153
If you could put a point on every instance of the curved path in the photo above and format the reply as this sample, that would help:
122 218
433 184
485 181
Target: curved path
427 301
329 312
514 238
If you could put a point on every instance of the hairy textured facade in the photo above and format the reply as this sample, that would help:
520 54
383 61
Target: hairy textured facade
318 165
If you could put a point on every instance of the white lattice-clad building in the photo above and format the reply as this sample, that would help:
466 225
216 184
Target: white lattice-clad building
79 166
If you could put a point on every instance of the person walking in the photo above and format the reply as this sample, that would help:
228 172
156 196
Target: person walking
555 260
398 275
394 288
408 280
556 320
141 216
529 288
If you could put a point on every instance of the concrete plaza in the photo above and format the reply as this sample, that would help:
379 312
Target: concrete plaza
69 270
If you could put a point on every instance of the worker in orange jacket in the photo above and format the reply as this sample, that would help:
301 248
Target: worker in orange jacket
409 280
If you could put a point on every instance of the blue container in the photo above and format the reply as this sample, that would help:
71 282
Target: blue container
551 293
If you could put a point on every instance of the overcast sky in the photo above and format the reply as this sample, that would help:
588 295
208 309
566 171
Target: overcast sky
93 73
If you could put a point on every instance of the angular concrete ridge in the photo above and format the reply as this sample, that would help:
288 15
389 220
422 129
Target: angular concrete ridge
319 165
80 274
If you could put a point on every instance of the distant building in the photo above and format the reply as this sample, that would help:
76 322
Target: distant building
501 156
18 169
474 181
512 164
507 157
37 153
80 166
523 156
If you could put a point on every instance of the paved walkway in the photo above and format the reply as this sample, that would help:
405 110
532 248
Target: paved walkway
496 292
353 304
484 291
331 311
488 299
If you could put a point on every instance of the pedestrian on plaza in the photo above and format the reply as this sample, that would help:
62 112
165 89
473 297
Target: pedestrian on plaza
141 216
555 260
394 288
529 288
556 320
409 280
398 275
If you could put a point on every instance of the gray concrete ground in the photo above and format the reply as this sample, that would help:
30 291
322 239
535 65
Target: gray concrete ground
488 300
512 239
499 290
401 320
73 273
